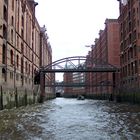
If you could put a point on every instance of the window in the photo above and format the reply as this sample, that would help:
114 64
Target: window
11 35
22 49
12 21
22 21
135 50
130 39
134 35
11 57
22 33
25 79
5 13
138 23
29 68
17 42
13 4
4 32
130 26
4 74
11 75
3 54
135 66
17 77
26 66
17 61
22 65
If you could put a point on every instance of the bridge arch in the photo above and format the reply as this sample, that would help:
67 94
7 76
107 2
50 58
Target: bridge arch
75 63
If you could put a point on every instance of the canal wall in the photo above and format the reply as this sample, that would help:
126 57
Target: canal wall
16 97
96 96
101 96
128 95
121 95
19 96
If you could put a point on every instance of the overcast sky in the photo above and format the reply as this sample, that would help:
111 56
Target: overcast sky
73 24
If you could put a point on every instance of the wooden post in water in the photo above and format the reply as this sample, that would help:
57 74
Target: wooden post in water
1 99
16 97
25 96
42 87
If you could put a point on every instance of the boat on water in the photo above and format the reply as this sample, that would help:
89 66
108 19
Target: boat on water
80 97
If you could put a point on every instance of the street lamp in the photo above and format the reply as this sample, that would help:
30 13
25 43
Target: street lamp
87 46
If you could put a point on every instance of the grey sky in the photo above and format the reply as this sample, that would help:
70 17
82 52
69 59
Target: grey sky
72 24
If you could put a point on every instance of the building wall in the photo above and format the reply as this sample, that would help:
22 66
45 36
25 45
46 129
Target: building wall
45 59
22 45
105 50
130 41
19 50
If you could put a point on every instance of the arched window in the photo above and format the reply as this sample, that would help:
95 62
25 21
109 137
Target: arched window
17 61
3 54
11 57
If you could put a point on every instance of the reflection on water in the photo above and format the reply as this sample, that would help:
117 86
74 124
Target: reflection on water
71 119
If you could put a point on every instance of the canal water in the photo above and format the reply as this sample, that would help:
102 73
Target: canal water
71 119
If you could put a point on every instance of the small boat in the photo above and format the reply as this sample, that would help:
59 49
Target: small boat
80 97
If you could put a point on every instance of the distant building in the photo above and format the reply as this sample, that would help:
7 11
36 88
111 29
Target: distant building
78 77
67 79
74 79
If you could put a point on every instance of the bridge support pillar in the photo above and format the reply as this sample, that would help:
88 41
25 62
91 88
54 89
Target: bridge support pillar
42 87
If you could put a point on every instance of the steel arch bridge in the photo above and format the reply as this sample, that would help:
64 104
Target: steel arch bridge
78 64
75 64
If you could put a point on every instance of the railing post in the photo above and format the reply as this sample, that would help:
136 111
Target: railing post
42 87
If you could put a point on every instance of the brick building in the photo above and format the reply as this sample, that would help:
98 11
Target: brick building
78 77
20 40
129 21
45 59
106 49
67 78
74 79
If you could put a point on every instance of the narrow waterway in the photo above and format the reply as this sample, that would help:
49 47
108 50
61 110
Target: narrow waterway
71 119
